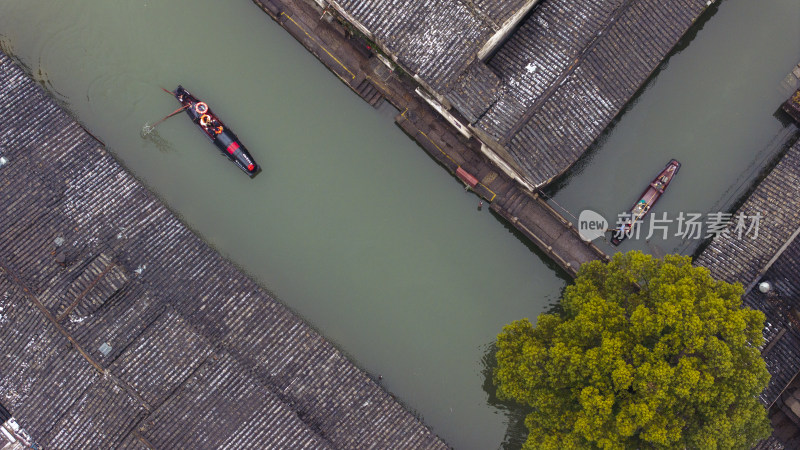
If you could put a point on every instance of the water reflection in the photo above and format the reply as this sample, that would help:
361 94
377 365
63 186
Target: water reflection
515 413
151 135
525 242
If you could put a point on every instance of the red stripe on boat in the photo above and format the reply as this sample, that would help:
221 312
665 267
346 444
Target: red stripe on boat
232 148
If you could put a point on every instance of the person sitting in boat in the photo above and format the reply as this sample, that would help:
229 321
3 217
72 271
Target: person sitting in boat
205 120
640 208
661 183
211 124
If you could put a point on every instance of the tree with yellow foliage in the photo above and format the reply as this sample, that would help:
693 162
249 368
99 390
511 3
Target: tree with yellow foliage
647 353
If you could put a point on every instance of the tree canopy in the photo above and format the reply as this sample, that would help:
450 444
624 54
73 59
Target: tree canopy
647 353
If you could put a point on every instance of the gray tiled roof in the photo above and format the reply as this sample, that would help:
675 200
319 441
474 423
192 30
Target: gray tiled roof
138 365
142 339
777 199
436 40
532 60
782 327
475 91
744 260
40 376
232 410
102 416
498 11
553 86
770 443
571 68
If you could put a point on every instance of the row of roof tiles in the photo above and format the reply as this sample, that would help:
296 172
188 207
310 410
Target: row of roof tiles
625 45
777 201
553 86
782 327
435 40
147 337
773 256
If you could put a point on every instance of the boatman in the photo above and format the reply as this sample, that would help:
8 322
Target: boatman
642 206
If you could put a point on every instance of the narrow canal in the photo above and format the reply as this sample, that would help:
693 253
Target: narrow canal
714 107
351 224
354 227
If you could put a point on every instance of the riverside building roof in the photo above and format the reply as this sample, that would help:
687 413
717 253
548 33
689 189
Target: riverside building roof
774 258
120 328
536 81
777 201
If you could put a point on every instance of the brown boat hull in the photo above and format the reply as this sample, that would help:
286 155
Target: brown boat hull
646 201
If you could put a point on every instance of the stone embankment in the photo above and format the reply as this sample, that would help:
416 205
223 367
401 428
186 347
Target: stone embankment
364 70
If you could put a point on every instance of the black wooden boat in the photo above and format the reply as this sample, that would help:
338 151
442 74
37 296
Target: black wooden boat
222 136
646 201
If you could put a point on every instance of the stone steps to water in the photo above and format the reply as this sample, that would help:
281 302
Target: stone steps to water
370 93
515 202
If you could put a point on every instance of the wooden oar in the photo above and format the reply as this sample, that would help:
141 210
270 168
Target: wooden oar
182 108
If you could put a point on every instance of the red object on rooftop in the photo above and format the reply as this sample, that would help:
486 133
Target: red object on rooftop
466 177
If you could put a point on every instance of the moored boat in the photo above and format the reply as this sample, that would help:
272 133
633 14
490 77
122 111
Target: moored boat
649 197
222 136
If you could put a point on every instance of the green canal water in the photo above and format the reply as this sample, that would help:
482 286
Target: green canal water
352 225
714 107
